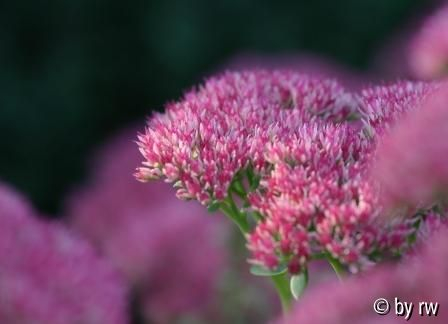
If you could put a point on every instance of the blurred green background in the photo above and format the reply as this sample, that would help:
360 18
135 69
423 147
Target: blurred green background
73 72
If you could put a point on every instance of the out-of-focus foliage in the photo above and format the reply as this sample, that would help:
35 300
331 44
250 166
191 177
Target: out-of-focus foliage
71 72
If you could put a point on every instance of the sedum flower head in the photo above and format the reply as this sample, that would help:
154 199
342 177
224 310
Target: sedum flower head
428 53
317 200
316 197
48 275
201 142
319 197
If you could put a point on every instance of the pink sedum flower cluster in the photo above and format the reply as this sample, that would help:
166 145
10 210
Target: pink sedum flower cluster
319 197
50 276
422 278
317 201
201 142
309 141
166 248
412 165
428 52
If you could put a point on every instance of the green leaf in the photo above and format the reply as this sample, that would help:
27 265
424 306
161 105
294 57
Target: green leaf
257 270
250 175
298 284
255 182
214 206
238 189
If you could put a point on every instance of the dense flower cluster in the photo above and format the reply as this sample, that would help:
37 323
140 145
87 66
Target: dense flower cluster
319 197
168 250
47 275
317 200
412 164
201 142
315 196
428 53
418 279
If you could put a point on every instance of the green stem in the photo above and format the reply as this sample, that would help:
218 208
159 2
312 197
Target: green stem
237 218
281 284
257 216
238 188
337 267
229 208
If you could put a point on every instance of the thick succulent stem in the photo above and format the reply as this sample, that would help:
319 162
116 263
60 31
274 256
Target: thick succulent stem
281 284
229 208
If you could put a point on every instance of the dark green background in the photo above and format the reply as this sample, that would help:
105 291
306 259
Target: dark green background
74 71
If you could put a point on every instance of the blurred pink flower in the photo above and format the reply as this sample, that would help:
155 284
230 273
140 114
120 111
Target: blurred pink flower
172 252
411 163
50 276
434 222
391 60
420 279
428 53
311 64
201 142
